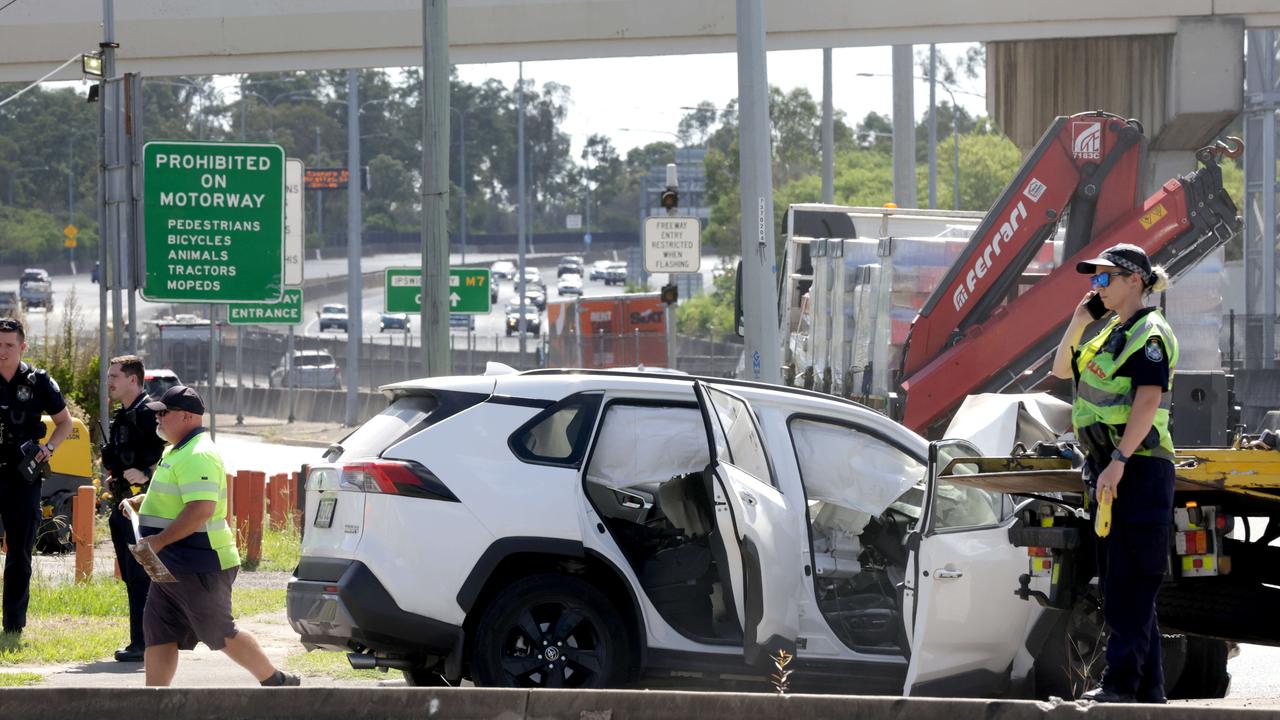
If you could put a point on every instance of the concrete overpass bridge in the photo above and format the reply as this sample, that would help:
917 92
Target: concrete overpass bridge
172 37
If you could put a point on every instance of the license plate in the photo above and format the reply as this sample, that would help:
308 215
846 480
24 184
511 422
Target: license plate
324 513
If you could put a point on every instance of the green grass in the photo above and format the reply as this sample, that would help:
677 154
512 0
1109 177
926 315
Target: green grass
20 679
280 549
247 601
64 639
86 622
331 665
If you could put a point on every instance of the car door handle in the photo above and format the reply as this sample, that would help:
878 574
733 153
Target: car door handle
945 574
747 498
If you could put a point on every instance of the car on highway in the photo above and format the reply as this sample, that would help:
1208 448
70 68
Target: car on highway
535 296
306 369
569 285
35 289
606 528
532 320
616 274
8 303
569 265
502 269
600 269
533 277
156 380
393 321
333 317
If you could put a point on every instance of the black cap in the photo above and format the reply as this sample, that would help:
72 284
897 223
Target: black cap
1124 256
178 397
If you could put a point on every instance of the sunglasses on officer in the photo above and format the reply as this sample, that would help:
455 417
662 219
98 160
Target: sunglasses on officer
1102 280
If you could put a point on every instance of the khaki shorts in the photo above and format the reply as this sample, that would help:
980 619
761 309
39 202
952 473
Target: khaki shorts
197 608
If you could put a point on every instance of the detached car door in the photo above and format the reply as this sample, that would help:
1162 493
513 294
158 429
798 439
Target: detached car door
762 540
965 622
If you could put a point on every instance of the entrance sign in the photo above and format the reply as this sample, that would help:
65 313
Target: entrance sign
286 312
468 290
214 222
295 229
672 245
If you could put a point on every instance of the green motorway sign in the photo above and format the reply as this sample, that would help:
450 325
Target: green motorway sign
213 216
286 312
468 290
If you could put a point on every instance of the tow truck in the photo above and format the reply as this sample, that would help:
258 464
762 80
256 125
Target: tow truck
1086 173
1223 568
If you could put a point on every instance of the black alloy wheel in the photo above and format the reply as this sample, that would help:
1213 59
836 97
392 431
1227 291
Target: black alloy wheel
550 631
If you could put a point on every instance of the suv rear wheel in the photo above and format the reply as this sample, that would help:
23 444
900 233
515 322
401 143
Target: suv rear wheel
551 631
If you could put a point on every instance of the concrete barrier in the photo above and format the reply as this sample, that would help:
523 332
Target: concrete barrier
477 704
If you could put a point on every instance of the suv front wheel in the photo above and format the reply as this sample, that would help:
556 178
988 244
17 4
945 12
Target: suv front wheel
551 631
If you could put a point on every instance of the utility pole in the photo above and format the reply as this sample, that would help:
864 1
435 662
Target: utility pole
522 240
319 196
933 125
759 265
106 212
434 291
355 284
904 129
828 132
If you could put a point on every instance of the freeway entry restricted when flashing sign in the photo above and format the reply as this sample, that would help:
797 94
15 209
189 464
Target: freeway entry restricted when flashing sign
214 222
672 245
468 290
286 312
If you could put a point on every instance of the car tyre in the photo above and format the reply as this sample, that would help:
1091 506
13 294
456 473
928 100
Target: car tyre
552 631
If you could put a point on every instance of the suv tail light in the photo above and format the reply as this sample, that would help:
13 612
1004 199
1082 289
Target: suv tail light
393 477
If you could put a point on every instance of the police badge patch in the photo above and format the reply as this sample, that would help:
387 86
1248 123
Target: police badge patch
1153 350
24 393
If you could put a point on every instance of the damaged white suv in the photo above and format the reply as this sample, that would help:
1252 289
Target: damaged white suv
599 529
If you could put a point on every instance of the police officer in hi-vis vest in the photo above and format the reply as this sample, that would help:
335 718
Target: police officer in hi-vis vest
26 393
1120 413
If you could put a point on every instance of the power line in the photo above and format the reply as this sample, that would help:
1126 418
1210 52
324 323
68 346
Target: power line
2 7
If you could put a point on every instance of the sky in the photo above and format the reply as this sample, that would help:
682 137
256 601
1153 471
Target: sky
639 100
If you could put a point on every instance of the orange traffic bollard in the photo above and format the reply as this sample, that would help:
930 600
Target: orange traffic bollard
241 499
291 501
231 501
82 531
254 510
277 499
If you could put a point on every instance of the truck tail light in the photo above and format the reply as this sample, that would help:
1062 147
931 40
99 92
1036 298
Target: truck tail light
394 477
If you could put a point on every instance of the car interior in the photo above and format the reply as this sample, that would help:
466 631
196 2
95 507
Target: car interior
649 479
864 496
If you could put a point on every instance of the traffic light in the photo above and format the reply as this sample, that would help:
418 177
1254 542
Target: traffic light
670 294
670 199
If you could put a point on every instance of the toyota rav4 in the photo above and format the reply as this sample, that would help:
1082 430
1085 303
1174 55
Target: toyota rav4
590 529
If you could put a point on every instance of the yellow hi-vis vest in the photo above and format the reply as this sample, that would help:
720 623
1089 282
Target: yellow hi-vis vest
1102 397
188 472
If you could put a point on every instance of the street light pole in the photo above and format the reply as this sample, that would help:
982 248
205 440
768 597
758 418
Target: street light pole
462 180
933 126
355 284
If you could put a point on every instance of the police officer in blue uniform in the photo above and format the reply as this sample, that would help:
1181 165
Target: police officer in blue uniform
26 393
129 457
1120 413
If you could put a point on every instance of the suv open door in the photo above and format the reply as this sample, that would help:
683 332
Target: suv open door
965 622
761 537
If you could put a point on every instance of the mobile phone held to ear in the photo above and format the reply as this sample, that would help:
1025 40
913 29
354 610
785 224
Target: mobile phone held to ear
1095 307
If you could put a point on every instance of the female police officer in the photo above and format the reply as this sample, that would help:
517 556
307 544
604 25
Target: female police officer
1120 415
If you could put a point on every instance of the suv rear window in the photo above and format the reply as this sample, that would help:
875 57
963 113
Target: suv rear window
559 434
313 360
406 416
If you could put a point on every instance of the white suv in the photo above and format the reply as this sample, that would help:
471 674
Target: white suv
596 529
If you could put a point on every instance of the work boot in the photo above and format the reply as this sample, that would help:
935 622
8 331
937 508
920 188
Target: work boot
1103 695
282 679
130 654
